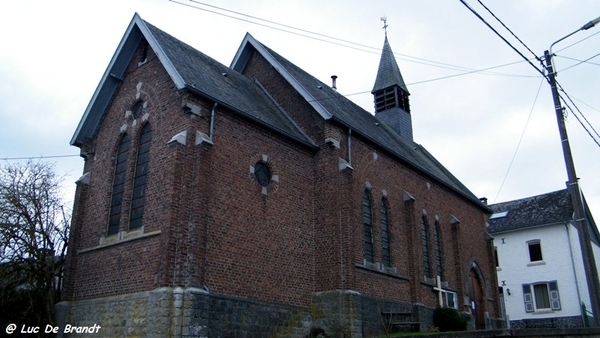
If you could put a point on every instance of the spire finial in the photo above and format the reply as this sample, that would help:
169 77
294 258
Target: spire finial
385 25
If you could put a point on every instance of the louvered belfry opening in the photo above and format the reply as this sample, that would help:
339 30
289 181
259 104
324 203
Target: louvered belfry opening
391 97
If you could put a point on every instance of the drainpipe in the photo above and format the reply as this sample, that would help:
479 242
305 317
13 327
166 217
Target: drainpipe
574 270
212 122
350 147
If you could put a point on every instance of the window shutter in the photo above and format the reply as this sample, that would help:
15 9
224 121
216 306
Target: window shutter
554 297
528 298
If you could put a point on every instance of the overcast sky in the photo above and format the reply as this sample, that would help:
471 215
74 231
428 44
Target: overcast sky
53 54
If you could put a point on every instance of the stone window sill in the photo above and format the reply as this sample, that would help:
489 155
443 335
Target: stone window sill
536 263
120 238
379 268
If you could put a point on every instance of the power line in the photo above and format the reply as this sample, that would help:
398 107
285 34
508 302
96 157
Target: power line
510 31
520 140
573 44
326 38
580 62
580 113
35 157
501 37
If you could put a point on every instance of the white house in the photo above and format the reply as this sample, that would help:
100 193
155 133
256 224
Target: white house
539 261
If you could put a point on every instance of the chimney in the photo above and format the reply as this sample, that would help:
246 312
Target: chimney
333 78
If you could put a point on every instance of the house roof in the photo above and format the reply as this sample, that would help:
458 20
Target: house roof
550 208
331 105
192 70
536 211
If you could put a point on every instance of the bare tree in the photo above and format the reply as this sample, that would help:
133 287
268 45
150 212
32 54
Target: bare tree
34 229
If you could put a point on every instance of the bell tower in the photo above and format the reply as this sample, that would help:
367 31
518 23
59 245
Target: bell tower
390 94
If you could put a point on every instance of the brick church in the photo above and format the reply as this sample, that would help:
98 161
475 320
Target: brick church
256 201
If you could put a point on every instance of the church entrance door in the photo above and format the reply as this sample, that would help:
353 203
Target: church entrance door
477 301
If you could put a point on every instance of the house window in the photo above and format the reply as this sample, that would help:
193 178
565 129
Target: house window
367 227
541 296
425 245
535 251
385 234
451 299
438 249
118 185
496 257
140 178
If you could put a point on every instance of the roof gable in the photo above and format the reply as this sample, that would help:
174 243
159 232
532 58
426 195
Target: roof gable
192 70
331 105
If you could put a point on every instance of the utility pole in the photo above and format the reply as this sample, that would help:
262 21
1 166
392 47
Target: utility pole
581 223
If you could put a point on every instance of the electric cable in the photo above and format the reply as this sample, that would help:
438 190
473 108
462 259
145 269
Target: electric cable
578 60
580 113
501 37
35 157
520 140
510 31
573 44
582 61
323 38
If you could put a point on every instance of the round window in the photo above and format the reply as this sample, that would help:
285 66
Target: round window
262 174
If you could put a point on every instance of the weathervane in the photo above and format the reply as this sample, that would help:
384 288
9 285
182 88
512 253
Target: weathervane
384 19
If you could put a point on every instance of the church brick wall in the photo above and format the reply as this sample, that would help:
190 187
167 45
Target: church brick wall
295 246
386 175
258 245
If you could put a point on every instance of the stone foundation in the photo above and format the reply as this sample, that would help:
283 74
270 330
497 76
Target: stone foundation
548 323
196 313
179 312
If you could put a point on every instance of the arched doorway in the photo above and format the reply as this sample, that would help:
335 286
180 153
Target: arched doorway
477 297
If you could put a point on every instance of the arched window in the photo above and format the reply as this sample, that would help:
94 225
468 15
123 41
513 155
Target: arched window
367 227
385 234
118 185
140 178
438 249
425 245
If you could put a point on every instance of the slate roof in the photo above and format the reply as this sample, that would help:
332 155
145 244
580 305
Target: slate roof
537 211
192 70
388 73
534 211
332 105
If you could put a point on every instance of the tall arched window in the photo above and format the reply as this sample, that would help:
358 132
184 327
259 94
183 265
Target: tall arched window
385 234
425 245
367 226
438 249
140 179
116 200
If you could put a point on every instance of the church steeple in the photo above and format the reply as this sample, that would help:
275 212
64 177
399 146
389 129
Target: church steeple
390 94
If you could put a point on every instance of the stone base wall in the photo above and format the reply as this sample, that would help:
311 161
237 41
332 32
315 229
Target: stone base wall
548 323
196 313
179 312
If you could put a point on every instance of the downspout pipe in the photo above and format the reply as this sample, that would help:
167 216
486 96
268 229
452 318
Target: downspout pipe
567 228
212 122
349 147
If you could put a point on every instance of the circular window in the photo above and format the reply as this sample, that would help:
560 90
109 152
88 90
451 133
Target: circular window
262 174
